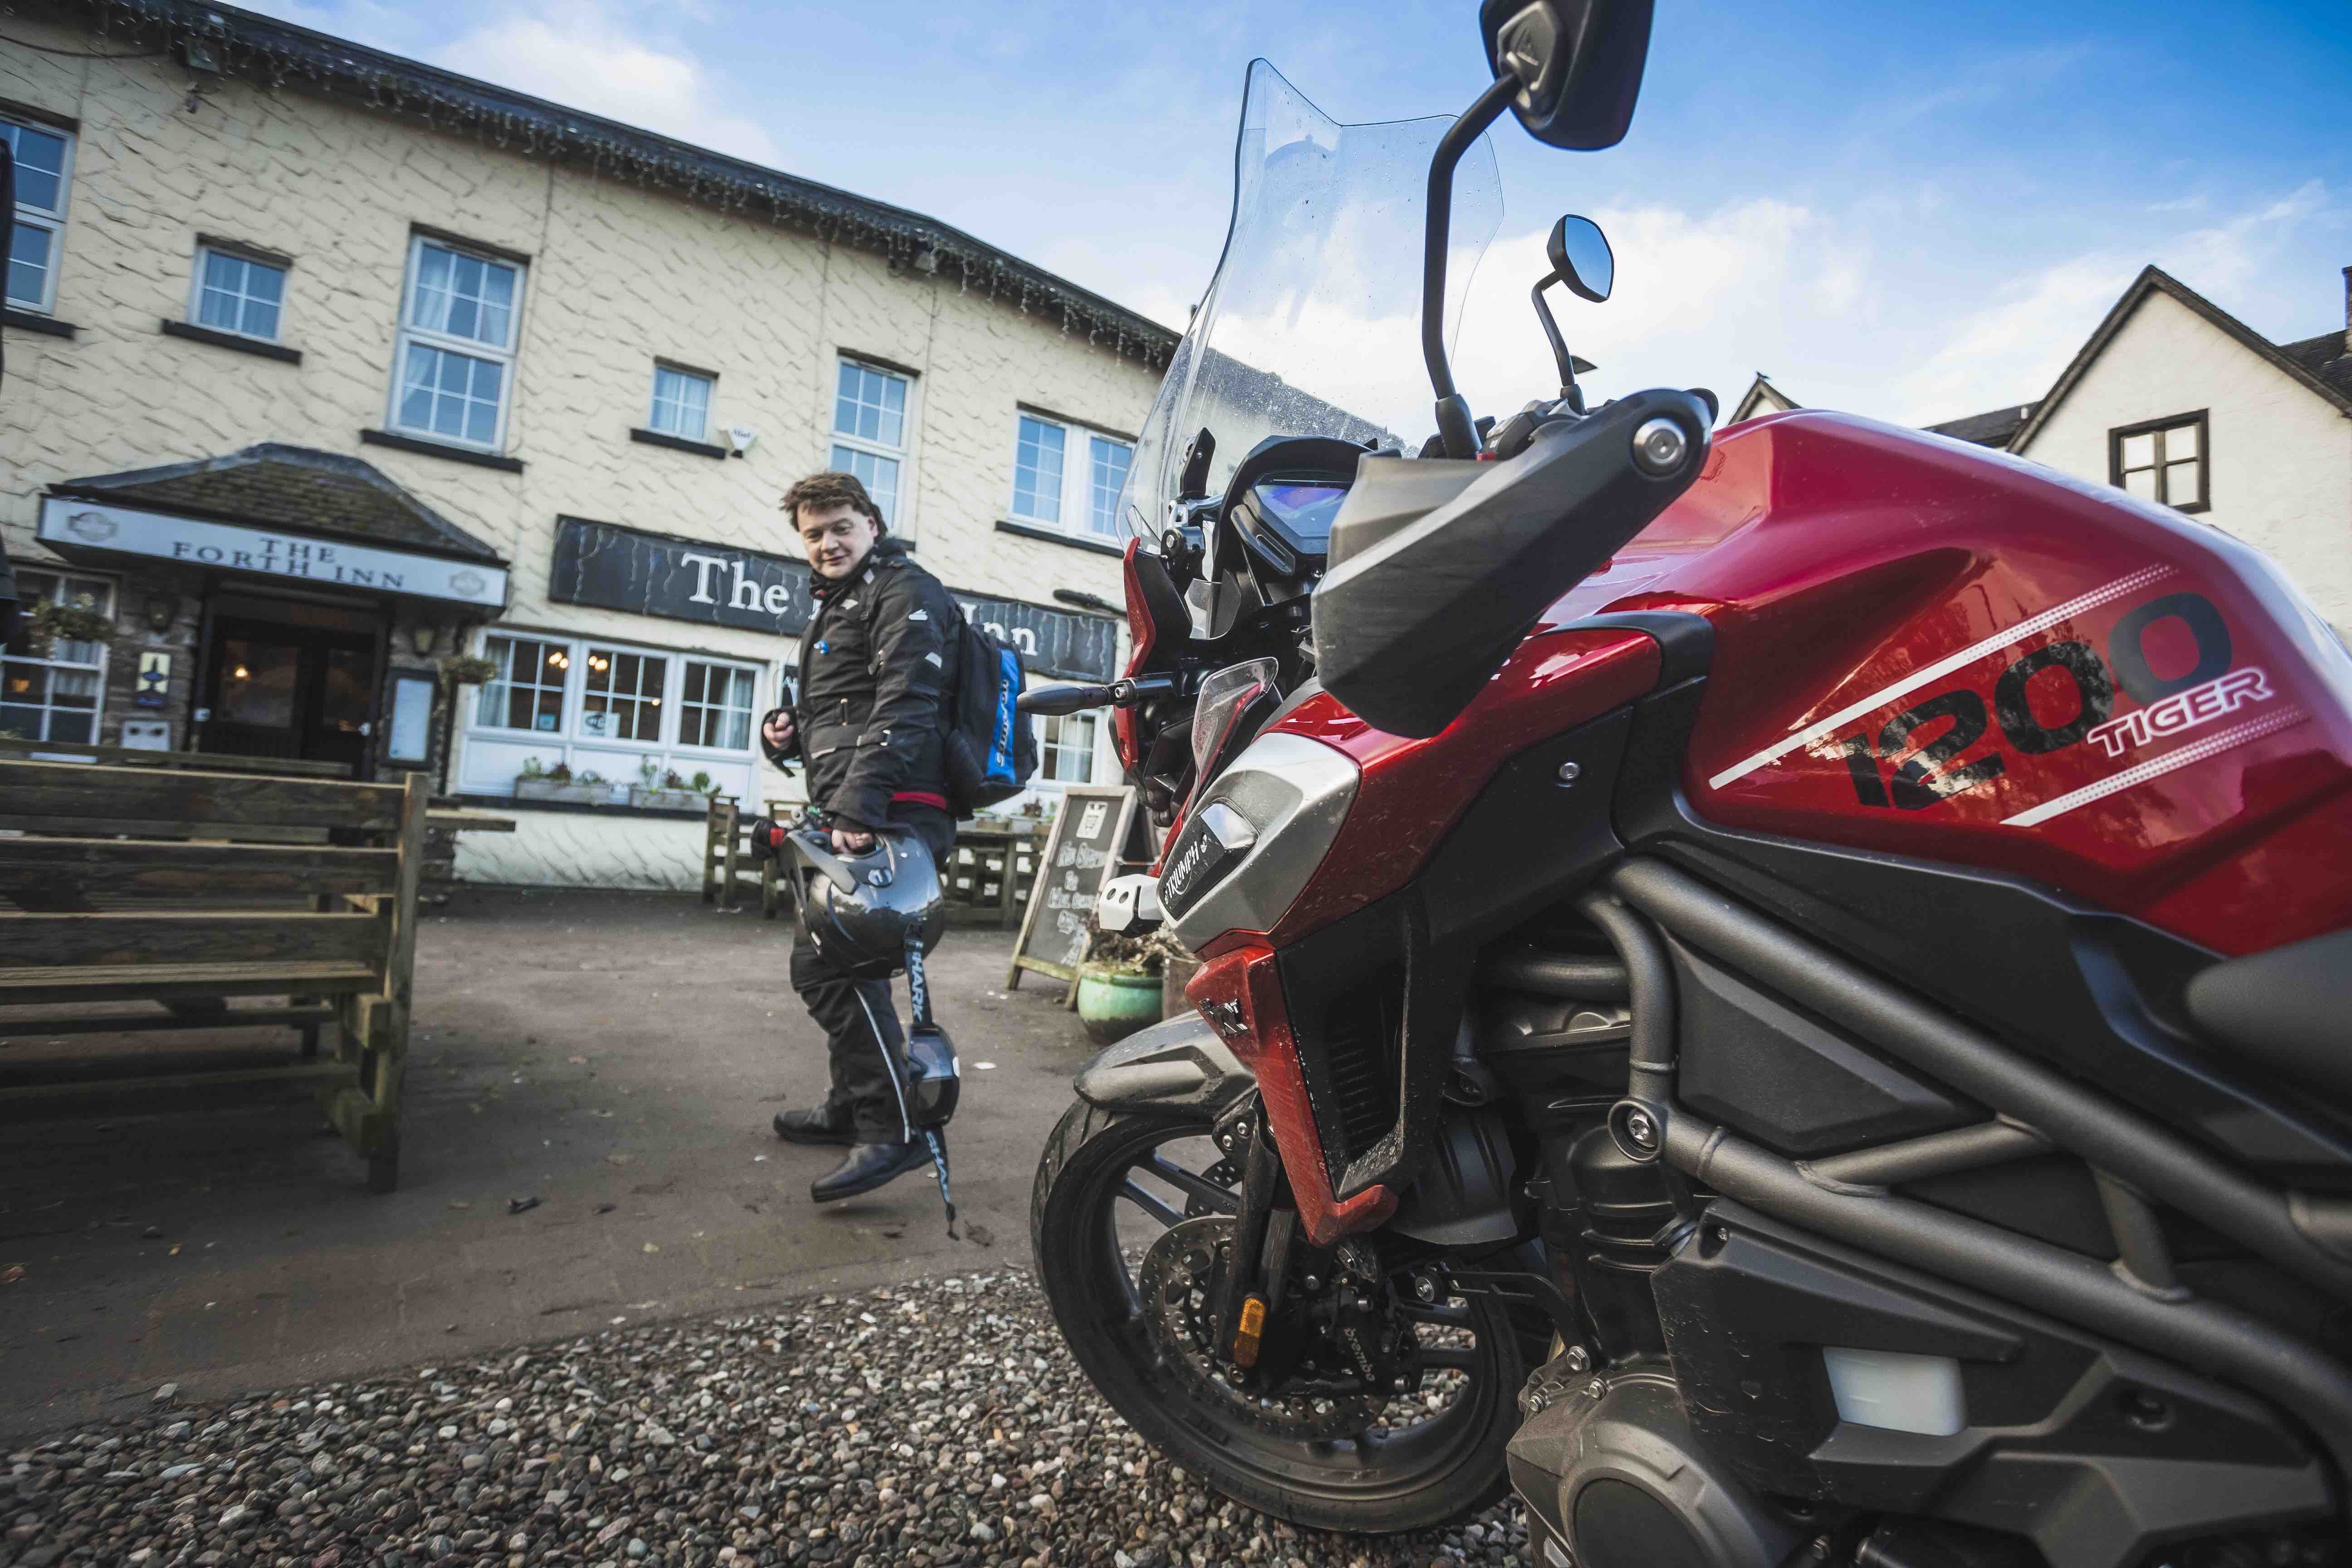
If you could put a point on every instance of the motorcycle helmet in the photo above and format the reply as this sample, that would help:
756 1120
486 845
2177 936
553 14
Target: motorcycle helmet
861 911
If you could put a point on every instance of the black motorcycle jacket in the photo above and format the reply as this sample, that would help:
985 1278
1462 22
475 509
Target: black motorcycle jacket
877 662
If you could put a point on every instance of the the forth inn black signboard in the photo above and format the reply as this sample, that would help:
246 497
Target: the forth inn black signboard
619 568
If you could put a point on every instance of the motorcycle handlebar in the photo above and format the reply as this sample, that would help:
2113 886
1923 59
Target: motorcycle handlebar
1070 699
1077 697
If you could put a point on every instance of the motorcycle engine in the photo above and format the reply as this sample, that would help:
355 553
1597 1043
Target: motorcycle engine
1613 1478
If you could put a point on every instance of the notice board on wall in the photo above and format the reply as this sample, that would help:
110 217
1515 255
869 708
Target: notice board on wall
1082 852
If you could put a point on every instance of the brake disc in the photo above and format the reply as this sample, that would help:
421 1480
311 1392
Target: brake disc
1176 1284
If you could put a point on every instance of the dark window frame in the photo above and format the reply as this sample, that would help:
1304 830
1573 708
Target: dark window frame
2200 420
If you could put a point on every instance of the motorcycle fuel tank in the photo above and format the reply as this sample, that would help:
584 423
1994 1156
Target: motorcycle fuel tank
1926 650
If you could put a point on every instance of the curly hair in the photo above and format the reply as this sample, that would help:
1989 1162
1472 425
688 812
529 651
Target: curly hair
830 489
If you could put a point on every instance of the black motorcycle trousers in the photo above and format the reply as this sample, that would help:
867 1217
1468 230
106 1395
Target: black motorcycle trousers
865 1044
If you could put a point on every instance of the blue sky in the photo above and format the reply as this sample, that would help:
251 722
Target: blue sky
1912 211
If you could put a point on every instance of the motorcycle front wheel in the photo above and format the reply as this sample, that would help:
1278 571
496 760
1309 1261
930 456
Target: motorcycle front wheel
1109 1184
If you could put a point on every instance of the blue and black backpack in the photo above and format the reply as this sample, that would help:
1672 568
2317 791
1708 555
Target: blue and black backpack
991 751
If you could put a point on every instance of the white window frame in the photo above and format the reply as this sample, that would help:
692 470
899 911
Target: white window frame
656 696
668 752
505 356
206 249
1078 478
1047 724
56 595
677 723
51 219
474 721
898 513
709 380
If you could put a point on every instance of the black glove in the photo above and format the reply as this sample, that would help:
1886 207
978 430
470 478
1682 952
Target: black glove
767 838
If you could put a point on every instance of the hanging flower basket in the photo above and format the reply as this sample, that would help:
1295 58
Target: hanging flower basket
466 669
51 624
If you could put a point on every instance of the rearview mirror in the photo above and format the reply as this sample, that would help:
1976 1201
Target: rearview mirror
1580 257
1579 63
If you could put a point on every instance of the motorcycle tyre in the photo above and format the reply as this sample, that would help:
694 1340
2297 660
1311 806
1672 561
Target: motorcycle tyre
1087 1145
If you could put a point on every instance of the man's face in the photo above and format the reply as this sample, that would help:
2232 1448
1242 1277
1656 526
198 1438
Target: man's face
835 538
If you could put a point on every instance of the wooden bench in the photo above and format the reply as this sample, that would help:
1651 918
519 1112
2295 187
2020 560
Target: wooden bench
189 889
14 748
731 872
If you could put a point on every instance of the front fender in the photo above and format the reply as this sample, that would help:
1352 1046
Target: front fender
1180 1064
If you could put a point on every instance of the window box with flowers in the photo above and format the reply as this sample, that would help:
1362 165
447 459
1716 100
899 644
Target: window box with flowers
668 791
558 783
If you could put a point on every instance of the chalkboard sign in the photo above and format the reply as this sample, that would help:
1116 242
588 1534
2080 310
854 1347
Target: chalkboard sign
1082 852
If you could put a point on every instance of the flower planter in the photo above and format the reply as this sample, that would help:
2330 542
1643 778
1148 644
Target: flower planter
577 794
656 799
1114 1003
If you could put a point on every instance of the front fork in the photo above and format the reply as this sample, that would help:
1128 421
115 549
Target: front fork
1259 1263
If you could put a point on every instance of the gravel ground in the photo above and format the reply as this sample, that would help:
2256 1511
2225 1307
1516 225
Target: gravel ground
941 1422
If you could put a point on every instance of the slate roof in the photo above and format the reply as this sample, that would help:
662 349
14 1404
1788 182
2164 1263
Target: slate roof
279 55
2328 357
294 487
1994 429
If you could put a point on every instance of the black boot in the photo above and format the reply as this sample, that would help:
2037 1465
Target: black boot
817 1124
869 1165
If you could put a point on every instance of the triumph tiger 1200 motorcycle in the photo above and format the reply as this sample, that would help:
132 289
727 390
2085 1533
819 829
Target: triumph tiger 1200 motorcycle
1788 990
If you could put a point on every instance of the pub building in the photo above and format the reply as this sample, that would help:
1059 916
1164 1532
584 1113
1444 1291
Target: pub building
274 602
448 436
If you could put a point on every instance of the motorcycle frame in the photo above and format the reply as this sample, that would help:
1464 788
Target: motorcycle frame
1628 857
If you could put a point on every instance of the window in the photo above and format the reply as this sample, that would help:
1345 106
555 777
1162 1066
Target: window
1068 479
2162 460
604 708
1066 749
57 697
1106 475
716 710
44 171
528 691
624 699
456 346
238 294
681 403
869 431
1037 471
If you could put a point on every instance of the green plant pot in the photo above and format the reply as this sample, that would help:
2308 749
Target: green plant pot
1113 1005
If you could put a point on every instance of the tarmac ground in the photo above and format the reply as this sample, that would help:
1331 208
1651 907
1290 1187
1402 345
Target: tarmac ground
614 1057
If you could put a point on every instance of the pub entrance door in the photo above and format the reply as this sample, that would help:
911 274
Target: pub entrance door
290 679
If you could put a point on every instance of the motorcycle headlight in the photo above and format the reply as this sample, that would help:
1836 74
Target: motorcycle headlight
1247 850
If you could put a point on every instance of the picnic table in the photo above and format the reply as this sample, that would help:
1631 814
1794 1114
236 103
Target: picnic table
444 820
995 866
731 872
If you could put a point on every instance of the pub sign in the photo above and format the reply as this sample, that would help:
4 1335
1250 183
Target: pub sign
617 568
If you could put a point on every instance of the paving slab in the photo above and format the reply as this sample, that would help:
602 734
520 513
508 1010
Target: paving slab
614 1056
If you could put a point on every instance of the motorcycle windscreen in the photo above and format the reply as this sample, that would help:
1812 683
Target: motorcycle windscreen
1312 323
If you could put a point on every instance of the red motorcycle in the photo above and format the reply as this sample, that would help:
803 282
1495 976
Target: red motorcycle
1787 992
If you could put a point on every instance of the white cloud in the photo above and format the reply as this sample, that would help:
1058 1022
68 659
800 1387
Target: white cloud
1694 292
582 57
2011 349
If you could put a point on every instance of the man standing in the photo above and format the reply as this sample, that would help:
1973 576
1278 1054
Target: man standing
870 726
